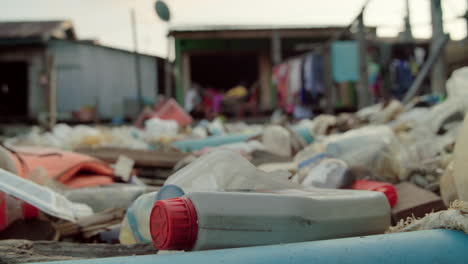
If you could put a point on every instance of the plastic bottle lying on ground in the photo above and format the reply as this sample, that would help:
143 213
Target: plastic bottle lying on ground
203 220
12 209
217 170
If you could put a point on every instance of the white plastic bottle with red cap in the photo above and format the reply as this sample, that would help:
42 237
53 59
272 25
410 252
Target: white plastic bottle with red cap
203 220
12 209
217 170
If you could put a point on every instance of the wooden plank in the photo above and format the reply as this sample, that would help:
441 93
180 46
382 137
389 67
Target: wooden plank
24 251
141 157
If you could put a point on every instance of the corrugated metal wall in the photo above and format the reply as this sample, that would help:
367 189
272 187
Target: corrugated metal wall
94 75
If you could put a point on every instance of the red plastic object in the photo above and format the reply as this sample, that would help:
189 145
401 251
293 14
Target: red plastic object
170 110
173 224
29 211
3 220
386 188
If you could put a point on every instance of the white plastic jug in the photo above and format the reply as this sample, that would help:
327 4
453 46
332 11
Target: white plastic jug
220 169
215 220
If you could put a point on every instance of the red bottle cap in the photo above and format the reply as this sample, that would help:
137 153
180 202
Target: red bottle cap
386 188
173 224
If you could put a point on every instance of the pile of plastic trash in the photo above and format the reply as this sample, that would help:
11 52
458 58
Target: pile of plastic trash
388 168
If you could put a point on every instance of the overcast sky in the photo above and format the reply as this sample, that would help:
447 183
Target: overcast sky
109 20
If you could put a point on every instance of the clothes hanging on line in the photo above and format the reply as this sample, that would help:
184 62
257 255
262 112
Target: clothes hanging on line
313 74
345 61
299 81
402 77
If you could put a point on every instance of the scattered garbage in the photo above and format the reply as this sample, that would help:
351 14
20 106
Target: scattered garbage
185 184
157 129
40 197
72 169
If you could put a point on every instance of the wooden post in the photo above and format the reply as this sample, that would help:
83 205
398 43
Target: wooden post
186 75
328 81
168 71
466 20
264 68
363 76
52 92
407 34
438 75
137 60
437 51
276 47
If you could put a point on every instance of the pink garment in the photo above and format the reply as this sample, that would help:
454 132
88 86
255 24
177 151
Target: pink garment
217 99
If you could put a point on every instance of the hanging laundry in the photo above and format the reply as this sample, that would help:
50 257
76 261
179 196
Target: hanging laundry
313 74
308 73
402 78
419 54
294 78
280 81
294 83
374 79
345 61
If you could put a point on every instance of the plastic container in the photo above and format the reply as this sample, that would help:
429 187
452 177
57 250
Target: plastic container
216 220
386 188
323 172
428 247
220 169
135 228
12 209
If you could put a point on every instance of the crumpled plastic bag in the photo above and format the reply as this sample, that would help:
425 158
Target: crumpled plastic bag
66 137
457 84
372 147
277 140
380 114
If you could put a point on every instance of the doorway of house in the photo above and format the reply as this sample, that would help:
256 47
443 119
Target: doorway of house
13 90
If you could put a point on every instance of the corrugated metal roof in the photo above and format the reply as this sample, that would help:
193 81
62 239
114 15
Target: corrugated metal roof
37 29
191 28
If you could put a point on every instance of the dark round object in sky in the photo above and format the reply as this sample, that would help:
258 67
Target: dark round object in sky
162 10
